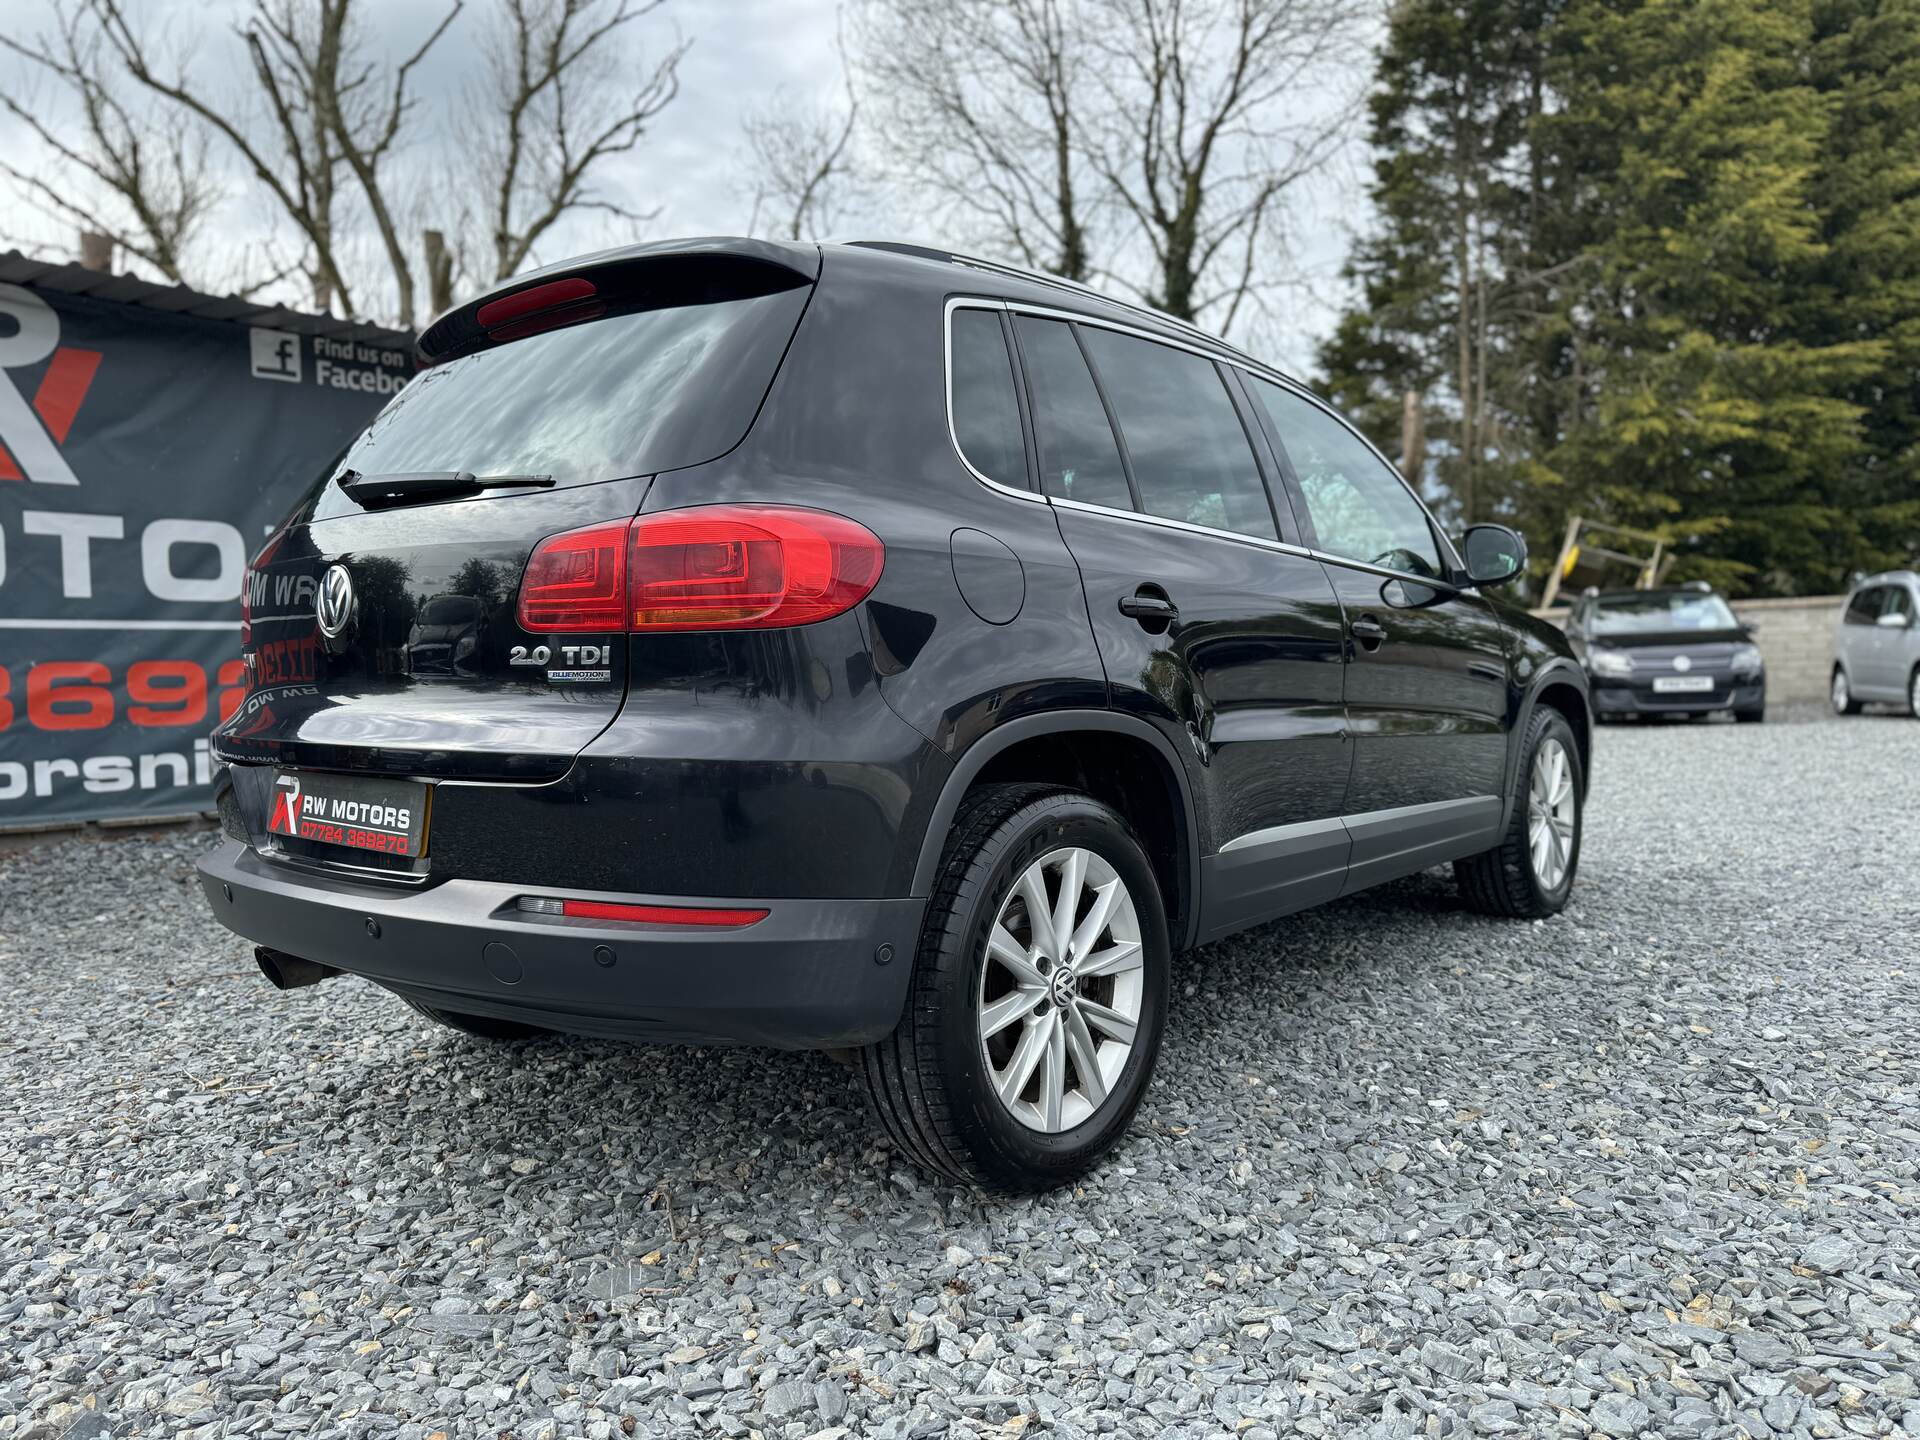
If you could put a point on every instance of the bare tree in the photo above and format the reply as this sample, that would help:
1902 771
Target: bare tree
1214 110
800 157
982 106
563 98
334 115
151 192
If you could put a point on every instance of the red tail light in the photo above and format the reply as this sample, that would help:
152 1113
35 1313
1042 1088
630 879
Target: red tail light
577 581
711 567
747 567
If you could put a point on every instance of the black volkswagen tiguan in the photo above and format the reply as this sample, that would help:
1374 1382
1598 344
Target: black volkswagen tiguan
865 648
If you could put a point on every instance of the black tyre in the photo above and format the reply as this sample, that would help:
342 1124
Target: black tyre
1033 1022
1751 717
1840 694
482 1027
1530 873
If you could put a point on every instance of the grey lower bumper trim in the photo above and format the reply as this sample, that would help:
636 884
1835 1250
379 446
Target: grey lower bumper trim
808 976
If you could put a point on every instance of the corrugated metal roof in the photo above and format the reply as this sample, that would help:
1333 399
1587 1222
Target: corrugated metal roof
68 279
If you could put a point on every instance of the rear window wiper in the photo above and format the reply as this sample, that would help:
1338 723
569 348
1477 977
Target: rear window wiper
378 492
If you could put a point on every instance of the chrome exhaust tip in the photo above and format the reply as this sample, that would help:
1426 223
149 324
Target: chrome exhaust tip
290 972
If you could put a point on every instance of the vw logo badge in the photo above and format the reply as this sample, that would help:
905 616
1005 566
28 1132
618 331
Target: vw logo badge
333 604
1680 662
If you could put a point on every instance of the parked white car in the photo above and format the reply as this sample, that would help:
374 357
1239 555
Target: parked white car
1876 645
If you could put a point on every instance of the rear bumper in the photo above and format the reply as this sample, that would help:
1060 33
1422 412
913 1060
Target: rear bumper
808 976
1637 697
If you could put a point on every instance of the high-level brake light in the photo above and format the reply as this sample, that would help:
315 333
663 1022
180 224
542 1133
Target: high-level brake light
709 567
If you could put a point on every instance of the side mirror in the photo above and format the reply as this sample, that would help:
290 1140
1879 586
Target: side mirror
1894 620
1494 554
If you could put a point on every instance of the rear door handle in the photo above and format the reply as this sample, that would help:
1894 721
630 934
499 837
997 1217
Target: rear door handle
1151 607
1369 632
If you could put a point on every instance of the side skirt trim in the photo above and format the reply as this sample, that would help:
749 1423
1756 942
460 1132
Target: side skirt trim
1268 873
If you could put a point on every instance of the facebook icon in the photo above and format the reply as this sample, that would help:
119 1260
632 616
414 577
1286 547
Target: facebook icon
276 355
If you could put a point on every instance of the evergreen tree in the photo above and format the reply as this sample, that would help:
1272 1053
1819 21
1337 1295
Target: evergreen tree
1697 235
1424 353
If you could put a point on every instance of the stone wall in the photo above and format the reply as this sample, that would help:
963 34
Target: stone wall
1795 635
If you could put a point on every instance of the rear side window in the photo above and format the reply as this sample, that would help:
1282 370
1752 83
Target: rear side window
1864 608
986 415
1359 508
631 394
1190 456
1079 458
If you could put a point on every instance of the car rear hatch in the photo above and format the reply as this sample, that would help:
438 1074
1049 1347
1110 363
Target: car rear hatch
382 624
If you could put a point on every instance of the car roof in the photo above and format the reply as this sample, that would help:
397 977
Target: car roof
1889 577
995 279
942 270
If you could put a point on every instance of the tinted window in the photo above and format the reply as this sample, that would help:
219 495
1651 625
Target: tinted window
1865 605
627 395
1079 459
1360 510
986 416
1899 602
1653 612
1190 456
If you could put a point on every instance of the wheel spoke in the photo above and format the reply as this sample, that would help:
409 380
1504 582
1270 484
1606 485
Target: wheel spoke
1086 1061
1002 947
1095 924
1107 1020
1033 889
1073 876
1053 1074
1014 1005
1026 1056
1114 960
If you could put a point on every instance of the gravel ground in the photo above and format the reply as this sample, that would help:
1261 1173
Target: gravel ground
1649 1167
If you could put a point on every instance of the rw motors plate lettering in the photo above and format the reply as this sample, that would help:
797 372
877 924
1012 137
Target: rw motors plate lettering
354 812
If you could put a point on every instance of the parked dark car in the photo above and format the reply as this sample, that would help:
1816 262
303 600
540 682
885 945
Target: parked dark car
886 652
1676 651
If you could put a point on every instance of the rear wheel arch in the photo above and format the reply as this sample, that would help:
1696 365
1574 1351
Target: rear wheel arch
1117 759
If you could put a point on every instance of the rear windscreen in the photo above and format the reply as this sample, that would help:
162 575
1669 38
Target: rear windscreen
633 393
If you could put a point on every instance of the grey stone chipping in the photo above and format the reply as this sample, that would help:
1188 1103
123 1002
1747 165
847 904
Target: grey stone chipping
1649 1168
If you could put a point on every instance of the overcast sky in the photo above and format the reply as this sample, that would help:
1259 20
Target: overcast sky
744 52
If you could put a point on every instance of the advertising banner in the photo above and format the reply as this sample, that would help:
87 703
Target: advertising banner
144 458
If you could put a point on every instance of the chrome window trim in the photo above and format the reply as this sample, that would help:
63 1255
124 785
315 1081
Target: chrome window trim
1432 582
1286 382
1141 518
969 302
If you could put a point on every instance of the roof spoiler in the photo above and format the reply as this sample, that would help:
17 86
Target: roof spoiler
629 278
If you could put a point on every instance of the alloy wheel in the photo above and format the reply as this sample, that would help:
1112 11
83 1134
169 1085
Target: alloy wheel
1841 693
1061 990
1551 814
